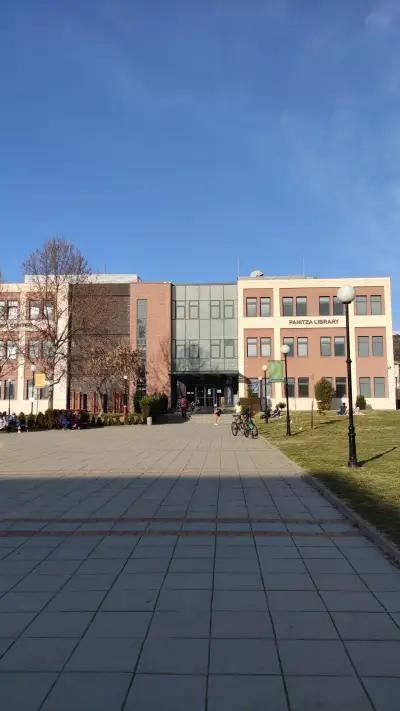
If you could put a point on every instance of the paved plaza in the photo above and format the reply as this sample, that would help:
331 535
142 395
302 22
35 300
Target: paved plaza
175 567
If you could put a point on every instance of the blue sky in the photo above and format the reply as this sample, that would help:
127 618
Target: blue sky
171 138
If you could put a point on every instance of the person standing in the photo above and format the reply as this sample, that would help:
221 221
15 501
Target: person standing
184 407
217 414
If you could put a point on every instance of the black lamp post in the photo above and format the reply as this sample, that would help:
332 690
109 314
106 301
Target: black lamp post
266 409
9 398
285 350
33 369
126 390
346 295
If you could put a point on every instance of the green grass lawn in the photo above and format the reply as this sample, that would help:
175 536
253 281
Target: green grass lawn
373 490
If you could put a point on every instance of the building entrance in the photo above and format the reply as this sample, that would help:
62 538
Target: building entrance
208 390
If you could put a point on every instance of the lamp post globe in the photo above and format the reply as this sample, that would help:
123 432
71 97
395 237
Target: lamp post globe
285 350
346 294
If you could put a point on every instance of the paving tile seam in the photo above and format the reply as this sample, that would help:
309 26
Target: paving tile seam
170 519
181 533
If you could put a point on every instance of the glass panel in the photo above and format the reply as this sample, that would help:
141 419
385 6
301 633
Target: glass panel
265 306
341 388
379 387
290 384
11 350
215 349
363 346
303 387
179 349
326 346
193 310
228 309
265 347
254 386
287 306
12 310
48 311
252 347
193 349
301 306
34 350
338 307
30 390
302 347
47 350
2 350
141 323
179 309
361 305
2 309
365 387
376 305
251 306
9 389
215 309
377 345
229 348
289 341
34 310
324 305
339 345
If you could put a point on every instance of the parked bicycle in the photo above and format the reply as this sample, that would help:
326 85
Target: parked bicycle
245 424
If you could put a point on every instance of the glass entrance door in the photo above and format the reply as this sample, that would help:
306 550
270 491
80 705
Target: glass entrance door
199 394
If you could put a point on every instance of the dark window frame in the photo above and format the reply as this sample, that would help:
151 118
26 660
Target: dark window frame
254 342
304 384
253 302
301 301
265 301
287 299
327 301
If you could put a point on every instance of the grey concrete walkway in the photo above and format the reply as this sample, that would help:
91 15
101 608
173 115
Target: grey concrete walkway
179 568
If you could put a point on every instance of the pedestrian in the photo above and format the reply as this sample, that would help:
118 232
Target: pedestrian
184 407
217 414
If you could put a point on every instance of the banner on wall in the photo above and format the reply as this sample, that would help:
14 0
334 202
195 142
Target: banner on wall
275 371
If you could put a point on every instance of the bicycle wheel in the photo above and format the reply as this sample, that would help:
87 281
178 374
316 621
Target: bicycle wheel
246 430
254 432
234 428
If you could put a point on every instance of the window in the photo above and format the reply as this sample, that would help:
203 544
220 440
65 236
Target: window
215 349
11 350
44 393
48 310
179 350
252 347
341 388
29 389
302 385
9 389
265 347
302 347
2 350
361 305
376 305
301 306
251 306
363 346
254 386
229 309
2 310
324 305
325 346
141 323
12 310
377 345
287 306
179 310
34 310
34 350
47 350
265 306
289 341
365 387
229 347
339 345
215 308
290 386
194 310
194 350
379 387
338 307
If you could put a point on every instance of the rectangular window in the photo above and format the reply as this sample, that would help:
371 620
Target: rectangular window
325 346
338 307
287 306
251 306
289 341
361 305
252 347
229 310
34 310
194 310
339 345
229 346
379 387
2 351
302 385
194 350
47 350
365 387
12 310
29 389
341 387
44 393
2 310
48 310
302 347
11 350
265 306
179 350
265 345
34 350
324 305
377 345
301 306
9 389
215 349
254 386
215 309
291 384
141 323
179 310
376 305
363 346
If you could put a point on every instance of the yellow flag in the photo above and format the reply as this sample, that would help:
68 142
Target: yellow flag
40 380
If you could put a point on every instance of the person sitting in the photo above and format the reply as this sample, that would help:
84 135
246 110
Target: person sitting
276 412
342 409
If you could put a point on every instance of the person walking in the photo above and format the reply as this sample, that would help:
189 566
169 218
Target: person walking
217 414
184 407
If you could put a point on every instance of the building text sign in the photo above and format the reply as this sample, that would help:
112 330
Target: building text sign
317 322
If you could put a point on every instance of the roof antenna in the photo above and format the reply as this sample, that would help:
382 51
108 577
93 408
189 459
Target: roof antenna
302 264
238 268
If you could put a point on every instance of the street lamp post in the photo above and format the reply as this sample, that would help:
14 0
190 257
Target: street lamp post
33 369
125 395
346 295
266 409
9 398
285 350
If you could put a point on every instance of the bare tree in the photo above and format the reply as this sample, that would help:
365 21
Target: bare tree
9 334
60 301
